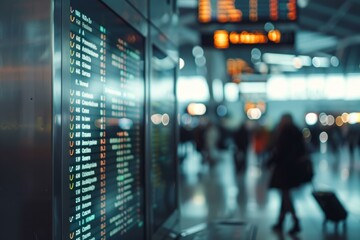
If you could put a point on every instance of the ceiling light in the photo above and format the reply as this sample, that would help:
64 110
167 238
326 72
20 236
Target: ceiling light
311 118
197 51
303 3
269 26
297 63
321 62
181 63
334 61
323 137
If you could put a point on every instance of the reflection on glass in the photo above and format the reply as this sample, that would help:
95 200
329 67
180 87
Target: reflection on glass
162 138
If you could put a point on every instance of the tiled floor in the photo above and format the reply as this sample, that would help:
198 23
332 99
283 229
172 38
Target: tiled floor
218 193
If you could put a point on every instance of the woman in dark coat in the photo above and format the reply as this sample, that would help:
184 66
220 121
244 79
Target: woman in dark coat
289 147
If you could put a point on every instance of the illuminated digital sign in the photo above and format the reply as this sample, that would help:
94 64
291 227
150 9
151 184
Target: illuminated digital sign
223 39
233 11
103 125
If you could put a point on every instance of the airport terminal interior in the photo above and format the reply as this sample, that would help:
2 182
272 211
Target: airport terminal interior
180 120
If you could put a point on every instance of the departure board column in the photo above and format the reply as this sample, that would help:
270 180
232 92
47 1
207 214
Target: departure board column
87 154
103 140
103 147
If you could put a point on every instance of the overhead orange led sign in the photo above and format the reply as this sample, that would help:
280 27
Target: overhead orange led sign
223 39
233 11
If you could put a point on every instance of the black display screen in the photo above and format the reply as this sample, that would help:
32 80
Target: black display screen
162 138
102 125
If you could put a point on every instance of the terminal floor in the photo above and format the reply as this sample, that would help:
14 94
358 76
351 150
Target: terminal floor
218 193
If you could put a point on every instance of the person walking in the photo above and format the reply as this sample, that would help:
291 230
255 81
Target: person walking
289 147
241 140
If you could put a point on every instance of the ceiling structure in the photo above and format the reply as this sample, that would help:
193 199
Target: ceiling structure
324 29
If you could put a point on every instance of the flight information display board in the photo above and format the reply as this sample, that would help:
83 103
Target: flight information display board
162 138
227 11
102 124
223 39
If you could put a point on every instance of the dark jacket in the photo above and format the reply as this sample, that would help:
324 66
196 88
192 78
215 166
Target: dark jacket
288 149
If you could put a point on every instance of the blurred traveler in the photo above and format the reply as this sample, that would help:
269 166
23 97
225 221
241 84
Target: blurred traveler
260 144
199 136
211 138
206 141
289 147
241 140
352 139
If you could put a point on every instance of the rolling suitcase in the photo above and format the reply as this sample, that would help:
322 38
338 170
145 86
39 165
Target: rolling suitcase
331 206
